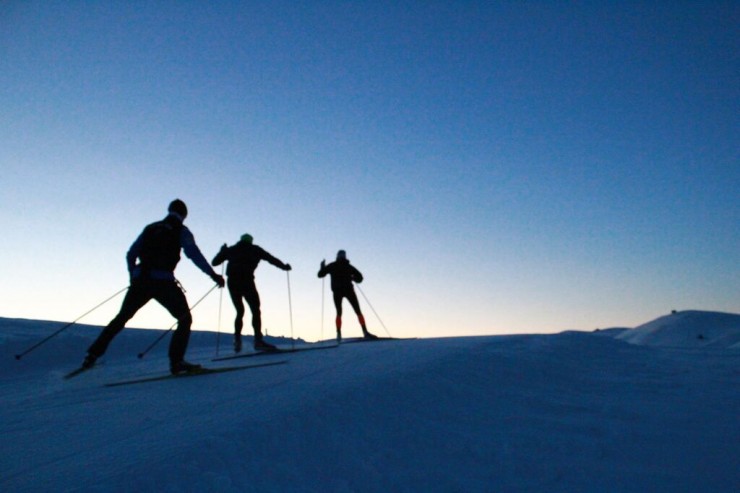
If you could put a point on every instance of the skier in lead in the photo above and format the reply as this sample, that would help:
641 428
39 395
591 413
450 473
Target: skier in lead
158 250
343 274
243 258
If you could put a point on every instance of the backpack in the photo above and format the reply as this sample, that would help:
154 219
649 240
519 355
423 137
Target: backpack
160 246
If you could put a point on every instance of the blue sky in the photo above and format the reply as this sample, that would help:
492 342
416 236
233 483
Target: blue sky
491 167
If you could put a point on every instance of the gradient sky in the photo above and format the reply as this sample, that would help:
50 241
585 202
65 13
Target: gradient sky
490 167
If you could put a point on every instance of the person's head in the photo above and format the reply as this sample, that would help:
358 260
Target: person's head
341 255
246 238
178 207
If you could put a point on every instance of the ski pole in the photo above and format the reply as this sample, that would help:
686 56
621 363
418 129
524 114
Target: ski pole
220 304
290 311
19 356
323 290
143 353
373 309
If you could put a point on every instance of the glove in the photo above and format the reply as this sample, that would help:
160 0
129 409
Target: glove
287 267
323 263
218 279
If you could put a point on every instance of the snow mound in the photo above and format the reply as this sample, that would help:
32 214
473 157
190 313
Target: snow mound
611 331
690 329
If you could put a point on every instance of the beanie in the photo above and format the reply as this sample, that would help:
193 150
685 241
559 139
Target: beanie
178 207
247 238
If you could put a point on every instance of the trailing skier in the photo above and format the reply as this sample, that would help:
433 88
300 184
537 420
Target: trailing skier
343 274
243 258
157 250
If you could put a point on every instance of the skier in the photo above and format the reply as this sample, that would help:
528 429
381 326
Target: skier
342 275
158 250
243 258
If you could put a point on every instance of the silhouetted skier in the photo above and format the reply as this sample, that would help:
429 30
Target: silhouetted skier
158 250
343 274
243 258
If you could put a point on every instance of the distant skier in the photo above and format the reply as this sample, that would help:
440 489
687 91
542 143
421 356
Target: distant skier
343 274
158 250
243 258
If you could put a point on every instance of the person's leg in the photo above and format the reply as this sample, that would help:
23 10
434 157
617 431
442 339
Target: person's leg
137 296
352 298
170 296
253 300
338 321
236 298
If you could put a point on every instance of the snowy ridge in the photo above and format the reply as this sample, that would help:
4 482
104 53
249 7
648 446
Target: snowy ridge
558 413
690 329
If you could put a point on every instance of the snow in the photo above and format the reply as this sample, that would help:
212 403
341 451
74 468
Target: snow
689 328
569 412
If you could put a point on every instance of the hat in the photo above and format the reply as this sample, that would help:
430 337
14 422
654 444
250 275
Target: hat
247 238
341 255
178 207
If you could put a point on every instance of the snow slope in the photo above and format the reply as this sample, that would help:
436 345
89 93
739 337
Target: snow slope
691 328
571 412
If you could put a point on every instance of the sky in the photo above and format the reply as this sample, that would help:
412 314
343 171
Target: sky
490 167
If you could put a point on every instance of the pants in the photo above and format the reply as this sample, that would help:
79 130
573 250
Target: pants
169 295
246 291
352 298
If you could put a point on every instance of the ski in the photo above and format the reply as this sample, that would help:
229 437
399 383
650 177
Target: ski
76 372
376 339
196 373
82 369
278 350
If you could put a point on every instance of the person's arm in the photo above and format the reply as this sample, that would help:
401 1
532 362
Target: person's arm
133 254
221 256
324 270
273 260
187 240
356 275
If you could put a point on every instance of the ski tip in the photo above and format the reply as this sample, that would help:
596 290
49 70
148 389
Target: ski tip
18 356
74 373
140 355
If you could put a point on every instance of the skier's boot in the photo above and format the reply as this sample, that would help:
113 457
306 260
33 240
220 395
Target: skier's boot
179 367
261 345
339 336
368 335
238 344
